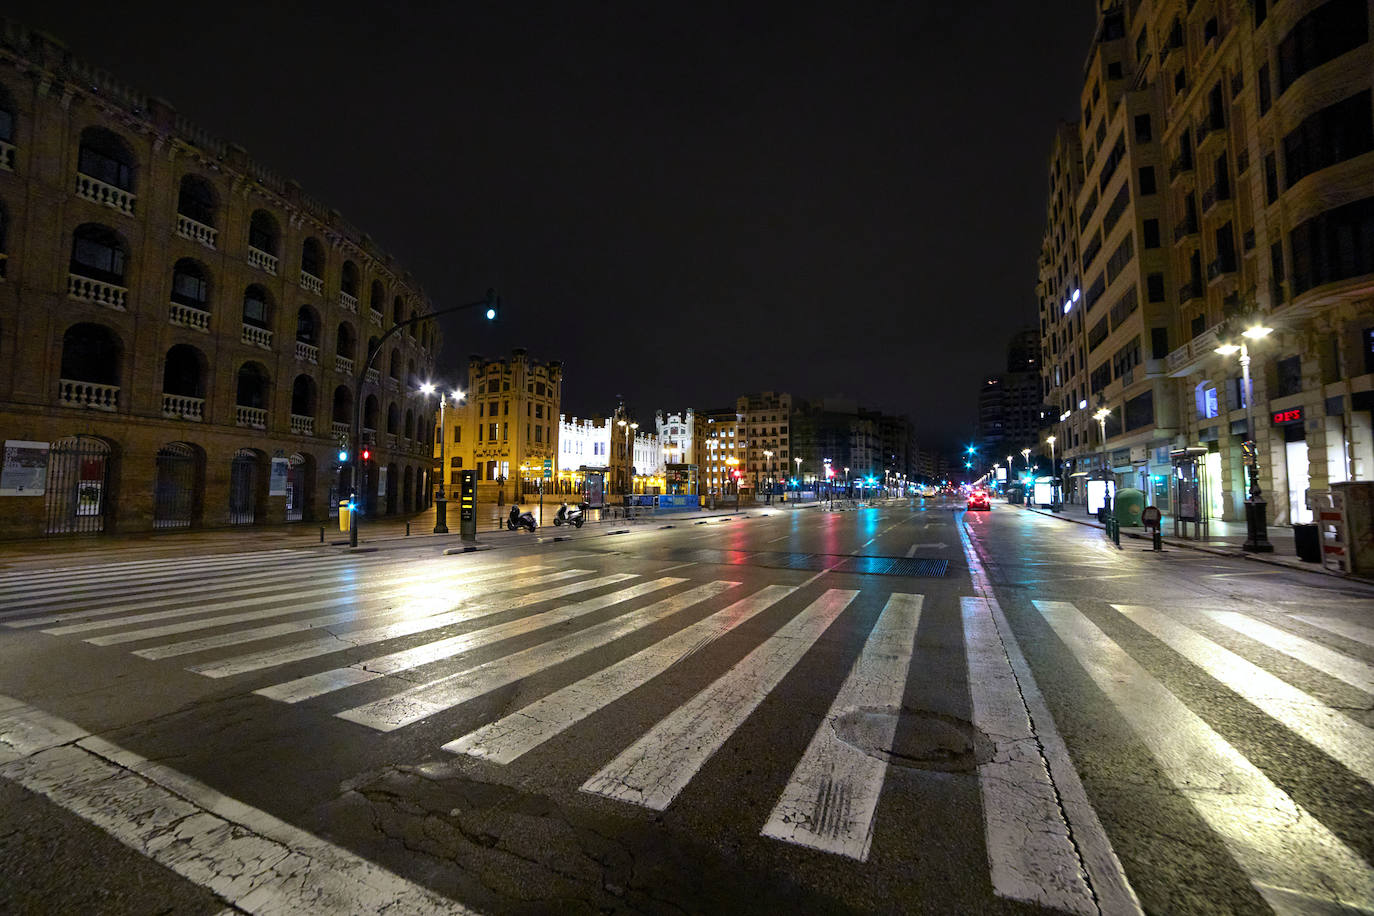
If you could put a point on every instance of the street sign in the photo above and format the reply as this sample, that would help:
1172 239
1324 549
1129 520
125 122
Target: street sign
1247 453
548 468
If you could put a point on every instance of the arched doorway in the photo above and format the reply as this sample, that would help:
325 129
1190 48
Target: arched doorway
176 486
243 487
300 485
76 495
392 481
408 490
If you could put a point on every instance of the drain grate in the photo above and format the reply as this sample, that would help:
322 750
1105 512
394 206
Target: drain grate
815 562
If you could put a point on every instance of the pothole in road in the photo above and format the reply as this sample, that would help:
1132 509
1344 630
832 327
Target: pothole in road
921 739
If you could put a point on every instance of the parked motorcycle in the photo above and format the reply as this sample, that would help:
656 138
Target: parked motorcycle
520 519
571 515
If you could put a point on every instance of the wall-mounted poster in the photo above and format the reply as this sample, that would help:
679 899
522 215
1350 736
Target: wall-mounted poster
25 471
277 483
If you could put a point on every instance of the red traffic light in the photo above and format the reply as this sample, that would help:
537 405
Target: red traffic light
367 454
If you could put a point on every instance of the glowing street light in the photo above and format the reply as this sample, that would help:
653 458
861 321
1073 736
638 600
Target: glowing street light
1256 523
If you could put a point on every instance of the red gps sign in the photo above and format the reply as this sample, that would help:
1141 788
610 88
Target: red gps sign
1288 417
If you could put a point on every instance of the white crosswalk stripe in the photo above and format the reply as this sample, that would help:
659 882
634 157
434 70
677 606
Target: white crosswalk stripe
1342 667
1352 631
660 764
832 798
1292 859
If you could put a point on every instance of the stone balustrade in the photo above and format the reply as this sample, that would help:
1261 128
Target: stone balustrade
311 282
340 430
97 291
182 407
8 151
343 364
391 441
262 260
375 317
302 426
88 395
307 352
258 337
348 302
373 375
187 316
97 191
252 417
196 231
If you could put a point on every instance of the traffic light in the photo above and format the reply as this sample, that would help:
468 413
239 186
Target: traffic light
343 455
367 454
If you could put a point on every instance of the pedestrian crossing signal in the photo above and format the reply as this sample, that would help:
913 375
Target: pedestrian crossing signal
367 455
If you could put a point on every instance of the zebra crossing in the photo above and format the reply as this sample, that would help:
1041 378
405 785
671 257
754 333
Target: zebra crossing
266 618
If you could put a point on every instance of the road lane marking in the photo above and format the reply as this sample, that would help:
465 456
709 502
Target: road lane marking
1351 631
831 801
420 702
256 862
1042 862
1283 849
122 571
911 551
339 641
1328 661
1344 740
313 685
653 770
520 732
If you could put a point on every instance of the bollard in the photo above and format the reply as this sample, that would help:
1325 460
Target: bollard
1158 540
322 534
407 529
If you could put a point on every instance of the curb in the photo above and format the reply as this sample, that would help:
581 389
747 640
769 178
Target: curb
1214 551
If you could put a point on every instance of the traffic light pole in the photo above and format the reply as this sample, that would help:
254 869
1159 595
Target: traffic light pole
491 302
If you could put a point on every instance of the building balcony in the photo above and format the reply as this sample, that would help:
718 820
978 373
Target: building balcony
1180 167
8 153
87 395
182 407
262 260
393 383
344 365
1237 83
1184 228
256 336
1221 267
1210 129
1242 162
97 191
1247 241
311 283
341 431
189 317
251 417
1189 291
302 426
97 291
391 441
196 231
374 316
348 302
307 352
1214 195
372 376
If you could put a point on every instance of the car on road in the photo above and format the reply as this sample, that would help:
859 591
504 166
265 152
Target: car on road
978 499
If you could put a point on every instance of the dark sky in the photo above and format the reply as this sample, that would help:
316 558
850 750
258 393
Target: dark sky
683 202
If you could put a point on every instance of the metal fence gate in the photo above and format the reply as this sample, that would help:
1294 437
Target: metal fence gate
243 487
174 490
75 495
295 488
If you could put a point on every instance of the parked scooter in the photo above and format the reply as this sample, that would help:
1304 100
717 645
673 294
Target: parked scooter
571 515
520 519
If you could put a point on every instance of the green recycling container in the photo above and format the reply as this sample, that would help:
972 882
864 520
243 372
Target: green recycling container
1130 503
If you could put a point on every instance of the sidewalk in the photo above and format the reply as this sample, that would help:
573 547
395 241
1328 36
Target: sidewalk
1223 538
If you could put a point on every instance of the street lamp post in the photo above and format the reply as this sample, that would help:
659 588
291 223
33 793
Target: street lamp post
491 306
1101 417
1256 510
441 501
1054 477
769 474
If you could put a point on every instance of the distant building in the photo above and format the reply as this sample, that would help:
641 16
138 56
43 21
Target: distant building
1009 405
766 417
725 450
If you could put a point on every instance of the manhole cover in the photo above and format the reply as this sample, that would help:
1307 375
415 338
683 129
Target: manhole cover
921 739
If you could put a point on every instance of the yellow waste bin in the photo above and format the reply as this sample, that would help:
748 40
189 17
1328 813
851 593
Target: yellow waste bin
344 515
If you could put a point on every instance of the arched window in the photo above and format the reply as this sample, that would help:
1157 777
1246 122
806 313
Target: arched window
91 353
377 300
303 396
346 342
197 200
395 371
411 379
98 253
398 311
410 423
257 307
393 419
312 258
348 278
410 330
191 284
252 386
343 405
183 372
307 326
104 156
6 130
263 233
370 411
372 344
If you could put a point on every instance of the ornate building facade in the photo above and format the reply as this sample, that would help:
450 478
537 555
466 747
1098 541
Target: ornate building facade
181 330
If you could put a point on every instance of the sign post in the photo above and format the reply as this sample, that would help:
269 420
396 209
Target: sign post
467 505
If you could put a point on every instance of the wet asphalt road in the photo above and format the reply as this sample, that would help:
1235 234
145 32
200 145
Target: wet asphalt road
1204 786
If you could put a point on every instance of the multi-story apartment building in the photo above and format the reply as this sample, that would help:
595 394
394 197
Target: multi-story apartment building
1261 115
767 417
726 450
840 430
507 426
182 331
1010 405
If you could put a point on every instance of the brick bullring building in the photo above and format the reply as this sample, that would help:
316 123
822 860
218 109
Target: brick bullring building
180 329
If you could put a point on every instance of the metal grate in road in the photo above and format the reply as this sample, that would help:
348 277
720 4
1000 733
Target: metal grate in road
878 566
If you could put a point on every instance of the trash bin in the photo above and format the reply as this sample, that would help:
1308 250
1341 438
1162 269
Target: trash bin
344 515
1308 541
1128 506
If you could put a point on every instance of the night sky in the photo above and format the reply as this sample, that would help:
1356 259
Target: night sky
682 202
